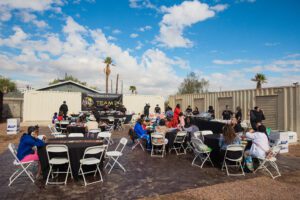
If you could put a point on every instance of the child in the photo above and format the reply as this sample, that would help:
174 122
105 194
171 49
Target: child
54 117
60 116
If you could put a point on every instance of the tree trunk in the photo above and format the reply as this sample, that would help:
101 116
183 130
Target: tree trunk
258 86
106 80
111 86
117 84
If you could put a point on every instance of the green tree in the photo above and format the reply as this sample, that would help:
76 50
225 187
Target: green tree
108 61
132 88
7 85
192 84
67 78
259 79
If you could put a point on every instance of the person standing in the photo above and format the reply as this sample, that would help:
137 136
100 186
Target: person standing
177 111
227 114
157 109
256 116
238 114
211 111
146 110
64 109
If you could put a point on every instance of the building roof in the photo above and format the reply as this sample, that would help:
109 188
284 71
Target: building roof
68 82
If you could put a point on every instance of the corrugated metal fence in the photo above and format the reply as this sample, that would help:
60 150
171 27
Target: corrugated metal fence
284 100
40 105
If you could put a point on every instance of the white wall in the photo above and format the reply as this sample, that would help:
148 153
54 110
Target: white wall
40 105
136 103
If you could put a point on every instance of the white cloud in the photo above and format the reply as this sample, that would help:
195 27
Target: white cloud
235 62
134 35
145 28
81 53
219 7
28 17
116 31
271 44
142 4
7 6
294 55
177 18
111 38
139 45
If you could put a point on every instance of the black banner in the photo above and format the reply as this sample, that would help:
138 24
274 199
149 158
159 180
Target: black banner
101 101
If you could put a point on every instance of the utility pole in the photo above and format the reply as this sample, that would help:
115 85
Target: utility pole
122 87
117 84
111 84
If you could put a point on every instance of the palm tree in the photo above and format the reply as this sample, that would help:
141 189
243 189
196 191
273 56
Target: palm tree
132 88
259 79
108 62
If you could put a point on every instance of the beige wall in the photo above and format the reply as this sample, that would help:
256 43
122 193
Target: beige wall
136 103
288 103
40 105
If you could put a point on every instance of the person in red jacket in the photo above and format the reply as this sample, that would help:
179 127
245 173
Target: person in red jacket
177 110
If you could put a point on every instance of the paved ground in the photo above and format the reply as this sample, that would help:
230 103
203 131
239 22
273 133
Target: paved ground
156 178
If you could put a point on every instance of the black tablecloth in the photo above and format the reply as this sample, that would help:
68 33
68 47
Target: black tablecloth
215 127
76 129
213 142
217 155
76 151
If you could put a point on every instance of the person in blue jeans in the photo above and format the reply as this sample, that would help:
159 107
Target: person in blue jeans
138 129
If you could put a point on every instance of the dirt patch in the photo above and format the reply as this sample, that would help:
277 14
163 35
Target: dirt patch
256 188
6 139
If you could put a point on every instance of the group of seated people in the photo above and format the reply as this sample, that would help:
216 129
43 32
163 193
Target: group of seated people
260 142
232 132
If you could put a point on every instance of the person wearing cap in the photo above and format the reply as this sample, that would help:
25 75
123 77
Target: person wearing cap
27 146
157 109
64 109
92 124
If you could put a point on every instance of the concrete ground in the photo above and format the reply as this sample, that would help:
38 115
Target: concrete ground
171 177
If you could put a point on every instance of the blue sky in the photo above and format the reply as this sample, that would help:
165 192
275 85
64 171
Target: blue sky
154 44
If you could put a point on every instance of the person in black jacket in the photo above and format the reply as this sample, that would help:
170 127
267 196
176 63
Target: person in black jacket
256 116
146 110
64 109
227 114
157 109
211 111
238 114
96 114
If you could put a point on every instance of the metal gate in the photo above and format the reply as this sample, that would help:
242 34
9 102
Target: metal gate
269 104
200 104
222 104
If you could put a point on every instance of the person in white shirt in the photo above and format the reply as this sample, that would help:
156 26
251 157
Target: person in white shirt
92 124
260 142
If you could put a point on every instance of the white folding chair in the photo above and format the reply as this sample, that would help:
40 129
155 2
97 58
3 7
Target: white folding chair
54 132
179 140
98 153
58 149
158 142
196 134
201 151
93 132
270 160
115 155
138 142
106 136
203 133
22 166
79 135
234 149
